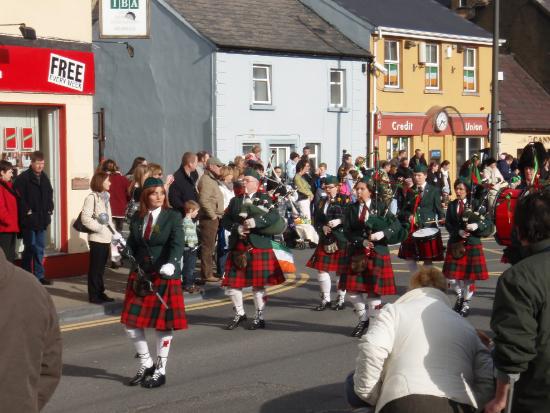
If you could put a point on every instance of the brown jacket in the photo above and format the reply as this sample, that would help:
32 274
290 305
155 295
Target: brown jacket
210 197
30 354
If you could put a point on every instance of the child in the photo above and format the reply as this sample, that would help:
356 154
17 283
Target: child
190 242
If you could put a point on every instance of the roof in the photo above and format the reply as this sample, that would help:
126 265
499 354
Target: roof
524 102
419 15
280 26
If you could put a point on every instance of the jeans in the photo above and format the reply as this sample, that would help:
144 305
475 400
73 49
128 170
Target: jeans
33 254
353 399
189 260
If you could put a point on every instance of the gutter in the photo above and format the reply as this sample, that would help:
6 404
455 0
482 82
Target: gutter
419 34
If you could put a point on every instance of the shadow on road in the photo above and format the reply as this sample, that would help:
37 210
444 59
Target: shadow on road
70 370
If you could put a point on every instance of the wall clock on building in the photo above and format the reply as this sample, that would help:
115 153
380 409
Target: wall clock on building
441 122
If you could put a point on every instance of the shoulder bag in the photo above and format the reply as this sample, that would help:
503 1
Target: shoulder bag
79 226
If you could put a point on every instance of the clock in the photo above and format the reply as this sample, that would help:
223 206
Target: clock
441 122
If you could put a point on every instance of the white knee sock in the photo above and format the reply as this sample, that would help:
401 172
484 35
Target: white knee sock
324 284
164 339
236 295
468 290
374 305
455 286
137 335
412 266
259 301
358 304
341 293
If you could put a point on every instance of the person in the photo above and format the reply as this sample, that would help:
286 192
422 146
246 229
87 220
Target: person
156 171
319 180
118 192
255 154
464 260
156 243
347 161
520 318
417 159
140 160
211 203
274 184
141 173
446 190
369 274
493 178
97 206
403 171
190 246
31 341
435 177
251 261
384 183
305 196
291 167
306 154
226 187
35 211
183 188
330 254
393 173
202 159
9 214
505 167
418 356
400 155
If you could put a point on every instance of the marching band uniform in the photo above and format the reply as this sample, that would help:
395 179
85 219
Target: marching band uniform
156 242
260 266
330 213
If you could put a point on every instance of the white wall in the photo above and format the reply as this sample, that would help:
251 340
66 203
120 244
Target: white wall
300 95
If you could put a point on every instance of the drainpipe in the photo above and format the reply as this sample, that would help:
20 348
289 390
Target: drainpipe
374 102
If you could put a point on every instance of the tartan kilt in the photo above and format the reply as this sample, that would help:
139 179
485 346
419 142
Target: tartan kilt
377 279
407 250
472 266
149 312
262 269
320 260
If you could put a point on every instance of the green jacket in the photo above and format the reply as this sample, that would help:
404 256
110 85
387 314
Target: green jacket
454 224
231 221
164 246
336 210
429 208
521 322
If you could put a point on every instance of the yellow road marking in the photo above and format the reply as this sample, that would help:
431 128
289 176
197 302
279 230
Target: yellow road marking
289 284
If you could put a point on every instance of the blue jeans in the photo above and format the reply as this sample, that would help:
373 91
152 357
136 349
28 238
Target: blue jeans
189 261
33 254
353 399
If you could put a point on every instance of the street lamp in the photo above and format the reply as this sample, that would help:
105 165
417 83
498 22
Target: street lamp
27 32
129 47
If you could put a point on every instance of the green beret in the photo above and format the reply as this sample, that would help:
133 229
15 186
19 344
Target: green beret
253 173
331 180
420 168
152 182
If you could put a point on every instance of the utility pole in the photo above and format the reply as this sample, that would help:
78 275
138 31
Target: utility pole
494 96
101 134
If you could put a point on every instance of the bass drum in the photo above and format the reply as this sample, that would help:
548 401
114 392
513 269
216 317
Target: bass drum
503 214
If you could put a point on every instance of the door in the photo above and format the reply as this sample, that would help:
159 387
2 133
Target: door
278 155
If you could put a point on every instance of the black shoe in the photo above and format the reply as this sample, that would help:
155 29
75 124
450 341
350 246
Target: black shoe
338 305
323 306
141 375
465 310
257 323
43 281
156 380
233 324
360 329
96 300
106 298
458 304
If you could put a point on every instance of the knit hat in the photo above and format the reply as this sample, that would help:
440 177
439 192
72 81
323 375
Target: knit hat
331 180
152 182
420 168
252 172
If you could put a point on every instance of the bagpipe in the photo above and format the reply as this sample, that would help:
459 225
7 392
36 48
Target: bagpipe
256 208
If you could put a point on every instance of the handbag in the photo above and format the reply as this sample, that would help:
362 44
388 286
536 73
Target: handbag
131 208
79 226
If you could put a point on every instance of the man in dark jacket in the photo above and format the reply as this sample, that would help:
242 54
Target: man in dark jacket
521 316
505 167
183 188
417 159
35 210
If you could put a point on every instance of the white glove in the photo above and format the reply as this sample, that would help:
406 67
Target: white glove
334 223
472 227
167 269
367 243
377 236
242 230
250 223
118 239
463 234
326 229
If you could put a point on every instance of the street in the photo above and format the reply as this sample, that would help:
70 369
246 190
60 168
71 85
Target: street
298 364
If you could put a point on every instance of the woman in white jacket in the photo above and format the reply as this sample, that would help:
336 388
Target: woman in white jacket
419 355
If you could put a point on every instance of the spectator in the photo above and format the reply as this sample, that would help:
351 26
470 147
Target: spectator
417 159
360 165
505 167
255 154
183 188
403 171
275 182
393 171
435 177
190 246
306 153
141 173
118 192
202 159
226 186
156 171
305 196
521 316
492 176
140 160
31 342
400 155
36 208
291 167
346 161
9 222
211 203
419 356
240 164
445 175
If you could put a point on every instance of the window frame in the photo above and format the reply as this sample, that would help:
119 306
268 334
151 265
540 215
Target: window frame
315 154
388 62
431 65
342 84
267 80
472 68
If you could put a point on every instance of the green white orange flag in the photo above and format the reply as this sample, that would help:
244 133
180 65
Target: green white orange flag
284 256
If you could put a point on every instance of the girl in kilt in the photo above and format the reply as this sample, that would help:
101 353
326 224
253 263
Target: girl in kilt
156 244
251 261
464 261
330 254
369 275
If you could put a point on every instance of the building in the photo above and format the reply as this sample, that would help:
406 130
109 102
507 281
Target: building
46 88
430 86
223 76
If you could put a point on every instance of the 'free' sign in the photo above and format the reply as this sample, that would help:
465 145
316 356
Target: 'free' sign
66 72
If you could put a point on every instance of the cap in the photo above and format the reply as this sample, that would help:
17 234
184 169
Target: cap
252 172
331 180
420 168
152 182
214 161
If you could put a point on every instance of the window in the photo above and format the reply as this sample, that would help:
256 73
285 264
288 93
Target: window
470 70
247 147
462 4
261 76
395 144
337 78
391 63
432 67
466 147
315 154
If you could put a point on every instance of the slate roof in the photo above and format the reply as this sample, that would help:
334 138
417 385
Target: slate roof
422 15
525 105
266 25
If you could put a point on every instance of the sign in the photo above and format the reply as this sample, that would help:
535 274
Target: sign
435 155
34 69
10 139
124 19
417 125
27 139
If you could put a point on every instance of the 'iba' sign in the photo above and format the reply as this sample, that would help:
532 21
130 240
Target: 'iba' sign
124 4
124 19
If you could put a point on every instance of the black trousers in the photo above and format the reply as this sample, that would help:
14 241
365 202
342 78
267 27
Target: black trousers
99 252
7 243
421 403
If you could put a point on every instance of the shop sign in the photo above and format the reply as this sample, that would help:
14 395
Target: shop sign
124 19
416 125
391 125
27 139
10 139
470 126
66 72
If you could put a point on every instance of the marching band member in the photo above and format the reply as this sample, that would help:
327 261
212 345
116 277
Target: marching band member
464 261
251 261
156 243
369 229
330 254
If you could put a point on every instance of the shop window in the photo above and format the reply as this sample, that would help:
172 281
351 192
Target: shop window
391 63
470 70
394 144
261 79
466 147
337 87
432 67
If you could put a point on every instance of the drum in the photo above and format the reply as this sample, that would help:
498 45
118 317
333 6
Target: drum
503 214
428 244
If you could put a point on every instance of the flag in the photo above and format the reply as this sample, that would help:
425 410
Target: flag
284 256
474 175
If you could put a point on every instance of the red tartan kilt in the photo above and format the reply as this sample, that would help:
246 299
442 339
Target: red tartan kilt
472 266
149 312
377 279
262 269
322 261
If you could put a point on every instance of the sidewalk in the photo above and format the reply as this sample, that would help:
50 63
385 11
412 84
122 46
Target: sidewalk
70 296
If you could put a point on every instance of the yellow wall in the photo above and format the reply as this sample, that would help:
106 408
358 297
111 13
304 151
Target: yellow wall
512 142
